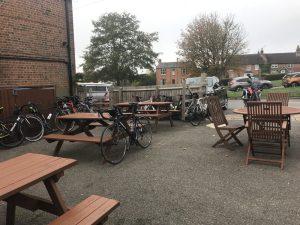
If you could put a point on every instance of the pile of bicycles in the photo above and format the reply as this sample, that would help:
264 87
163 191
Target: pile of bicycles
31 124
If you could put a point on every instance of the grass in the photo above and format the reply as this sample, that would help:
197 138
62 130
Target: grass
294 91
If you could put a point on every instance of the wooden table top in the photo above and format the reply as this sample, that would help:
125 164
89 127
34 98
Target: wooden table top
126 104
83 116
286 110
21 172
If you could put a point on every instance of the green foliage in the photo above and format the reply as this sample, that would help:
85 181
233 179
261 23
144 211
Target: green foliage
118 48
145 80
265 68
273 76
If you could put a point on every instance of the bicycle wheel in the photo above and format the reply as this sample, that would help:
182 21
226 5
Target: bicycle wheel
196 116
143 132
60 124
10 135
32 128
114 144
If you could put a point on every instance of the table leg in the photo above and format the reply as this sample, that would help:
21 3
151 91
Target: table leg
10 213
55 196
60 143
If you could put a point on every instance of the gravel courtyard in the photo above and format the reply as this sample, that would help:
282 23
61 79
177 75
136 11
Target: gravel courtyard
180 179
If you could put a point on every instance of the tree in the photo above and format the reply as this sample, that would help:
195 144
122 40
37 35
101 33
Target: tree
211 43
118 48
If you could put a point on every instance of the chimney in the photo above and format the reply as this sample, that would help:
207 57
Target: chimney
298 51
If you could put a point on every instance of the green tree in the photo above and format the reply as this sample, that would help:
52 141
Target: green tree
211 43
118 48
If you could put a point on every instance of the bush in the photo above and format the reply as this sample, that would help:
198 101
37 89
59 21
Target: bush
273 76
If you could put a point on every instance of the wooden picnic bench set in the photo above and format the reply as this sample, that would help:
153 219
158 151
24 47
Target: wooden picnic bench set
22 172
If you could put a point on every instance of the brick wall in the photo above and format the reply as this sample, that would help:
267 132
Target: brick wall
34 29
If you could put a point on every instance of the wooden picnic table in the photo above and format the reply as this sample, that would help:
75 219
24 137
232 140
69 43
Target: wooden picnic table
85 122
22 172
162 110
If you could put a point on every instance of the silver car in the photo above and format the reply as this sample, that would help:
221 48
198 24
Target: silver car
239 83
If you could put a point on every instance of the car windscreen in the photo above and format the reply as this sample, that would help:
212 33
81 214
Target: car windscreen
98 88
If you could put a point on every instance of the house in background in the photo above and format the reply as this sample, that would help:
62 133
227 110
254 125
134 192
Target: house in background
37 44
173 72
272 63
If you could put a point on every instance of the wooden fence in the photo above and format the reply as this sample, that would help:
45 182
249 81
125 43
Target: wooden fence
43 96
128 94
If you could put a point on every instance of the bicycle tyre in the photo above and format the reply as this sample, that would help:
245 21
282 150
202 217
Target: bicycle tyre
13 139
59 124
114 149
32 128
196 116
143 132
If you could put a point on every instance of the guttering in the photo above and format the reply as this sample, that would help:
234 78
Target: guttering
69 48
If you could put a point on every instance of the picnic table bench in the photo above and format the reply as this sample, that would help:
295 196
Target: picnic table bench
24 171
85 123
161 111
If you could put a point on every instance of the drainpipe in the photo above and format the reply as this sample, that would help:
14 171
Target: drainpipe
69 49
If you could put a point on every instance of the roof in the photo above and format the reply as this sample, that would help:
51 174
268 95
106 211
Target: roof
172 65
271 58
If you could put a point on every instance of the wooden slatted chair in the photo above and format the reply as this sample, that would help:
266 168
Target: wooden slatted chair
225 131
284 98
266 130
279 97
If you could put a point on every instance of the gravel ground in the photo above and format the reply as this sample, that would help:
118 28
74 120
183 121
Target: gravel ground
180 180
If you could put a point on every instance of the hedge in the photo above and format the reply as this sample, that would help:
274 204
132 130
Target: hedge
273 76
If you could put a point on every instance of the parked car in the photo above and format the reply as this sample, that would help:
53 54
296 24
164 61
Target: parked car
99 91
238 83
291 80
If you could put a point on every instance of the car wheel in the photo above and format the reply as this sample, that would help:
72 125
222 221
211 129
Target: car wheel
294 84
265 86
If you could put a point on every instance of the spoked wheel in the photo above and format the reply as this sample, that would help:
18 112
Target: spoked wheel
114 144
196 118
143 132
32 128
10 138
60 124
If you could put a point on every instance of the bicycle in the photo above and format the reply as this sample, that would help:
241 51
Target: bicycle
31 126
126 130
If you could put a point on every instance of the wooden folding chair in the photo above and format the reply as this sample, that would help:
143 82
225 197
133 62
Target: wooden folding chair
224 130
284 98
266 130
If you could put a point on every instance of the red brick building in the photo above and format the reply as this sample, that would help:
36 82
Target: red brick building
273 63
37 44
172 72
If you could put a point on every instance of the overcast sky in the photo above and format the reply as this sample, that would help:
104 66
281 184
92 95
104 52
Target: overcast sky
269 24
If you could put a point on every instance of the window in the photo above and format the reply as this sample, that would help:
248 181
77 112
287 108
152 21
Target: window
183 71
289 65
274 66
98 89
282 71
173 81
256 67
163 81
173 71
163 71
248 68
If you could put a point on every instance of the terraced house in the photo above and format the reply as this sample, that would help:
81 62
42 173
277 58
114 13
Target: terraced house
273 63
37 57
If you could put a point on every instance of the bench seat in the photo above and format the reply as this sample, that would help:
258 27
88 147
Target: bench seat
93 210
73 138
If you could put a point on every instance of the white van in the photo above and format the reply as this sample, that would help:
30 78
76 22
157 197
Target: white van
100 90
